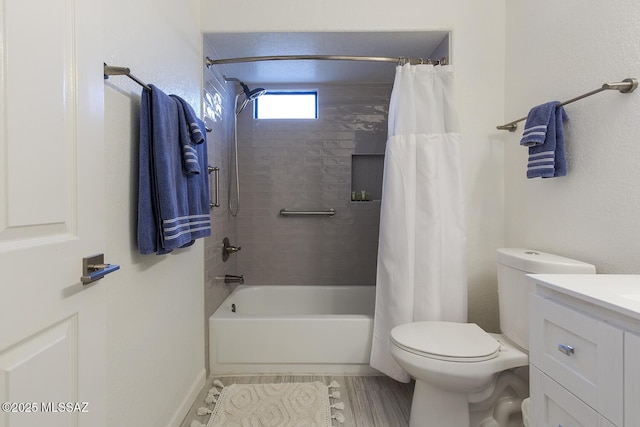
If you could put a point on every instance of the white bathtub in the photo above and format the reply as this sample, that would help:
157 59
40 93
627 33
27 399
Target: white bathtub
293 329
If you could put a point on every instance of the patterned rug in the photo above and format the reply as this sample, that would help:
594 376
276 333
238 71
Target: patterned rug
274 405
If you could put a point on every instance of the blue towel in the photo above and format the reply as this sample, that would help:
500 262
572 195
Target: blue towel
544 135
173 209
194 134
192 130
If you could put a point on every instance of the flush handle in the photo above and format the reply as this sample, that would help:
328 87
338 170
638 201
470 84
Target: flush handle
566 349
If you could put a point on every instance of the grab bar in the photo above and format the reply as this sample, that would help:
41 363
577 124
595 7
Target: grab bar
216 176
287 212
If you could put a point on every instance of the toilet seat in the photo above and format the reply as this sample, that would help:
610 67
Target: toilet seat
448 341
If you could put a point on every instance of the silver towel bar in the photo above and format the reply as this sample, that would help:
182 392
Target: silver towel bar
110 70
625 86
123 71
328 212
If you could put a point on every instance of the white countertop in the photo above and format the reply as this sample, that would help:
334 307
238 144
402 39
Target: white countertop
616 292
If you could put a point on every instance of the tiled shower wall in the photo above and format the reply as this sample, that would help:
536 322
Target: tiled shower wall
218 113
306 165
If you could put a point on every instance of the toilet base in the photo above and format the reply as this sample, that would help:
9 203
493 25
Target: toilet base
432 406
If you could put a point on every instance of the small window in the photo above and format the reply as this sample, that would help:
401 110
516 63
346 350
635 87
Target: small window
287 105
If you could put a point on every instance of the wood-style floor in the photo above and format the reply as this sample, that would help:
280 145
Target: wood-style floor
370 401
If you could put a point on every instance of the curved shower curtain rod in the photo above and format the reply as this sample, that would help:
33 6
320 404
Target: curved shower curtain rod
399 60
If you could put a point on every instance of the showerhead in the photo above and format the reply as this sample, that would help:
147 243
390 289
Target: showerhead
249 95
252 94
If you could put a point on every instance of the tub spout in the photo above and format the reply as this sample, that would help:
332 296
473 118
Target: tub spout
230 278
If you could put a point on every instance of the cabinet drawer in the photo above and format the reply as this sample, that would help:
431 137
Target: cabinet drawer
581 353
552 405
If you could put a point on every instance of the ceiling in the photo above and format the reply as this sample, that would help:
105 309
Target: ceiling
414 44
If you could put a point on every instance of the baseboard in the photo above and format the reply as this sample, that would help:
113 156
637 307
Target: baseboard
231 369
186 404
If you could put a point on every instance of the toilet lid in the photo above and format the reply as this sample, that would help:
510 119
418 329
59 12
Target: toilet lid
456 342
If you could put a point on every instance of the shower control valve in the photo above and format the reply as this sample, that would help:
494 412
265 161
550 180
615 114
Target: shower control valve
228 249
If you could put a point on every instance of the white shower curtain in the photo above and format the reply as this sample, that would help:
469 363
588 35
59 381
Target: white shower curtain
422 246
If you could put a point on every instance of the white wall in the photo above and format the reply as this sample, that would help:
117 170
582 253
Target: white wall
557 50
155 355
478 56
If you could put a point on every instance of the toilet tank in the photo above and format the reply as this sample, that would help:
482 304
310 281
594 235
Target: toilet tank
514 288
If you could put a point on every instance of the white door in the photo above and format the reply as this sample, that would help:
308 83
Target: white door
52 338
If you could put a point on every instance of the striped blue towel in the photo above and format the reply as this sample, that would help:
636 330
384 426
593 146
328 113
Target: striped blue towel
544 135
173 205
193 136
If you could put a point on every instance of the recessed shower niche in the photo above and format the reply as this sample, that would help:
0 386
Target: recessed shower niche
366 177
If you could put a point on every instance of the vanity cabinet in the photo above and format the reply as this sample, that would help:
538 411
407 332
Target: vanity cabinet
553 405
632 380
584 350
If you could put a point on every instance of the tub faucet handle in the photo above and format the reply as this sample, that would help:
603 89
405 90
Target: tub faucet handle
228 249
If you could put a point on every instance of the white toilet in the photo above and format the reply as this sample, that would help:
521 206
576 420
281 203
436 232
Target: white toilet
458 364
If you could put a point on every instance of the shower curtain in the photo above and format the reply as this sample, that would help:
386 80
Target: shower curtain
421 273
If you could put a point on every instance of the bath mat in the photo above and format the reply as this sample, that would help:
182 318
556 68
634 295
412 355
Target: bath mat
275 405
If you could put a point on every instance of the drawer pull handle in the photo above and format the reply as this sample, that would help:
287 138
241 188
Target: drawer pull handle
566 349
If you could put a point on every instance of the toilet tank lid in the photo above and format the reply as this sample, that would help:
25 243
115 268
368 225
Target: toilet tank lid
532 261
